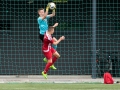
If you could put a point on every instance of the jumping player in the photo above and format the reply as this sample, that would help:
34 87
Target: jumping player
49 52
43 25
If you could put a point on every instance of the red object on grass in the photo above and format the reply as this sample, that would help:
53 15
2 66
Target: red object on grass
108 78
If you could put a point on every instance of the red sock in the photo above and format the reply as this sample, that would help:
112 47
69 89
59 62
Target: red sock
47 67
54 59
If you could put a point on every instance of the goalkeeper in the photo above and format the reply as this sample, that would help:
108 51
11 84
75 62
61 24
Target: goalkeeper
43 26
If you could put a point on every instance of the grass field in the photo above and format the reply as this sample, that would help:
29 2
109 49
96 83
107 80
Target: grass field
58 86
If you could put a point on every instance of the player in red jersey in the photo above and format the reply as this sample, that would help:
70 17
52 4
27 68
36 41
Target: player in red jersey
49 52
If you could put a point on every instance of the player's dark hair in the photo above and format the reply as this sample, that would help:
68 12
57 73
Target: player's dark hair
40 9
50 28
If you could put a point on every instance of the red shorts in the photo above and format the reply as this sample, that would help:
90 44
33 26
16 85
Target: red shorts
49 54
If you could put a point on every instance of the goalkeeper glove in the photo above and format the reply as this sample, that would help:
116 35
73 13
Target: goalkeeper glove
48 6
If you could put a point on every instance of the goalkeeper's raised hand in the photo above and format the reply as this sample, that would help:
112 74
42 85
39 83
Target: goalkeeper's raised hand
48 6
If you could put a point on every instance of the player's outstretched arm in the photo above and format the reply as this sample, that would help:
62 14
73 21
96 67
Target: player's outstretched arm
55 25
46 12
53 13
59 40
54 39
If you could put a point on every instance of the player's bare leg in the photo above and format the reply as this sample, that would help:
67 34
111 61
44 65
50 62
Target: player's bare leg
55 57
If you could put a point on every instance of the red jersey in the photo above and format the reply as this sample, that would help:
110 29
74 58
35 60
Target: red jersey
47 42
108 78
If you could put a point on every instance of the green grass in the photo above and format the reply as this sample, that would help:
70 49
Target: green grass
56 86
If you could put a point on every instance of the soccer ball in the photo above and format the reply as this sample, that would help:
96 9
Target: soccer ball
52 6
